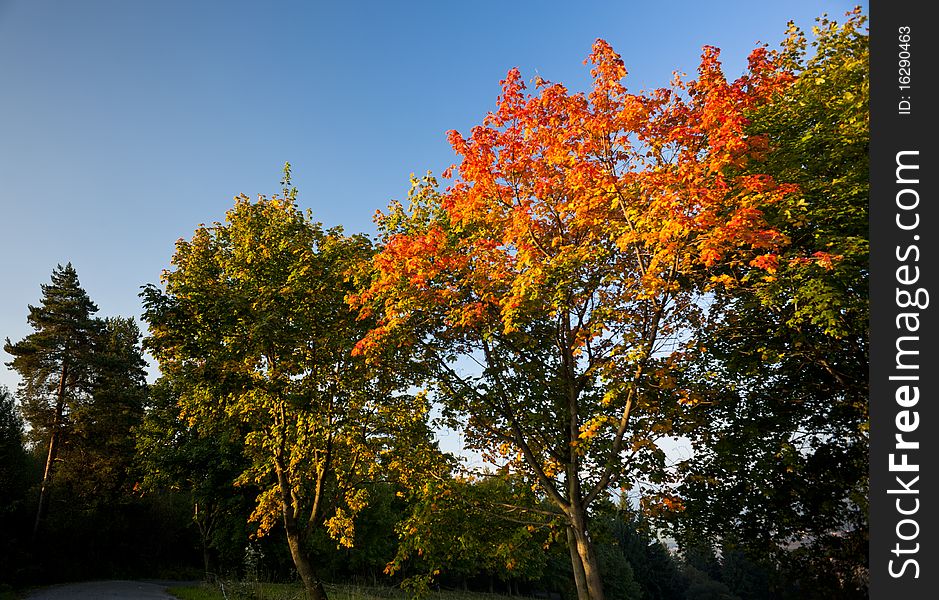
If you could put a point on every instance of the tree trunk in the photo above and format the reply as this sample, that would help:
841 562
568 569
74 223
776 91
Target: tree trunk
206 563
580 579
591 566
587 556
204 525
312 584
51 456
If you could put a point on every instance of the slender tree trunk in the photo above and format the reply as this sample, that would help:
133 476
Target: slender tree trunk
52 454
580 579
204 525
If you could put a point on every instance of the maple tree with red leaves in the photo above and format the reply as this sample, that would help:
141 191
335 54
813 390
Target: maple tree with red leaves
553 286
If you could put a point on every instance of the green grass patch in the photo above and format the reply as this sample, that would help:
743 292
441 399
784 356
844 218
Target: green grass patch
239 590
196 592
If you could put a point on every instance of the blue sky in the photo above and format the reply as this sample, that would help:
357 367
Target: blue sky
125 124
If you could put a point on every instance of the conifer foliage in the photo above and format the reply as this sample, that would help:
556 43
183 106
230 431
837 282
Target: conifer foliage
82 391
55 363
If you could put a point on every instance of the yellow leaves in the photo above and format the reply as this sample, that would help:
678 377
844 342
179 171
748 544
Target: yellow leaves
724 280
266 512
609 396
593 426
341 528
356 500
551 468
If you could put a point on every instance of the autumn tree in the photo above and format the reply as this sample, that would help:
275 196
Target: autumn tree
568 261
55 364
253 318
785 457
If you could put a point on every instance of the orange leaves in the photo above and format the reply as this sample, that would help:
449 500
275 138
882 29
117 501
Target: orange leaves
606 204
662 505
592 427
767 262
608 72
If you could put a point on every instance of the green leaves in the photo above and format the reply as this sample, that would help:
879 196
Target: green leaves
785 455
253 323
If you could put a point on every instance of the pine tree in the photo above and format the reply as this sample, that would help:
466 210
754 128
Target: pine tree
55 363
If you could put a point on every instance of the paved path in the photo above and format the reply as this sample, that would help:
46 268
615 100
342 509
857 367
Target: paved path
107 590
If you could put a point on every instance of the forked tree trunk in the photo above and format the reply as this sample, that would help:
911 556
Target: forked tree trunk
205 523
311 583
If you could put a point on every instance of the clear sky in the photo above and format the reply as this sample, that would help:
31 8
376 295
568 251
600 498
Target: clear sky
124 124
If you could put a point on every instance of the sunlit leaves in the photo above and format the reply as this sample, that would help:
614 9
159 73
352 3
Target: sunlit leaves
784 456
254 319
569 258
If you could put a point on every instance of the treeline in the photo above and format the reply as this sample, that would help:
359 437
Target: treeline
606 271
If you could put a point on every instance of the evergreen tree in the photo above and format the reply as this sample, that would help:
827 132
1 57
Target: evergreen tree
55 363
13 457
14 481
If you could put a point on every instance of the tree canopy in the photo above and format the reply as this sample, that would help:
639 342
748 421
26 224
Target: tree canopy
569 260
253 321
784 456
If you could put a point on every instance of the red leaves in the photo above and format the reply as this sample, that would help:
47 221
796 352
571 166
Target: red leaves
556 192
767 262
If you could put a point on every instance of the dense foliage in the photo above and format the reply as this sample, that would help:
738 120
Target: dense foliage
603 271
783 459
254 328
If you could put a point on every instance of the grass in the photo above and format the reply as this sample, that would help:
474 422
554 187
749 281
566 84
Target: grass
294 591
